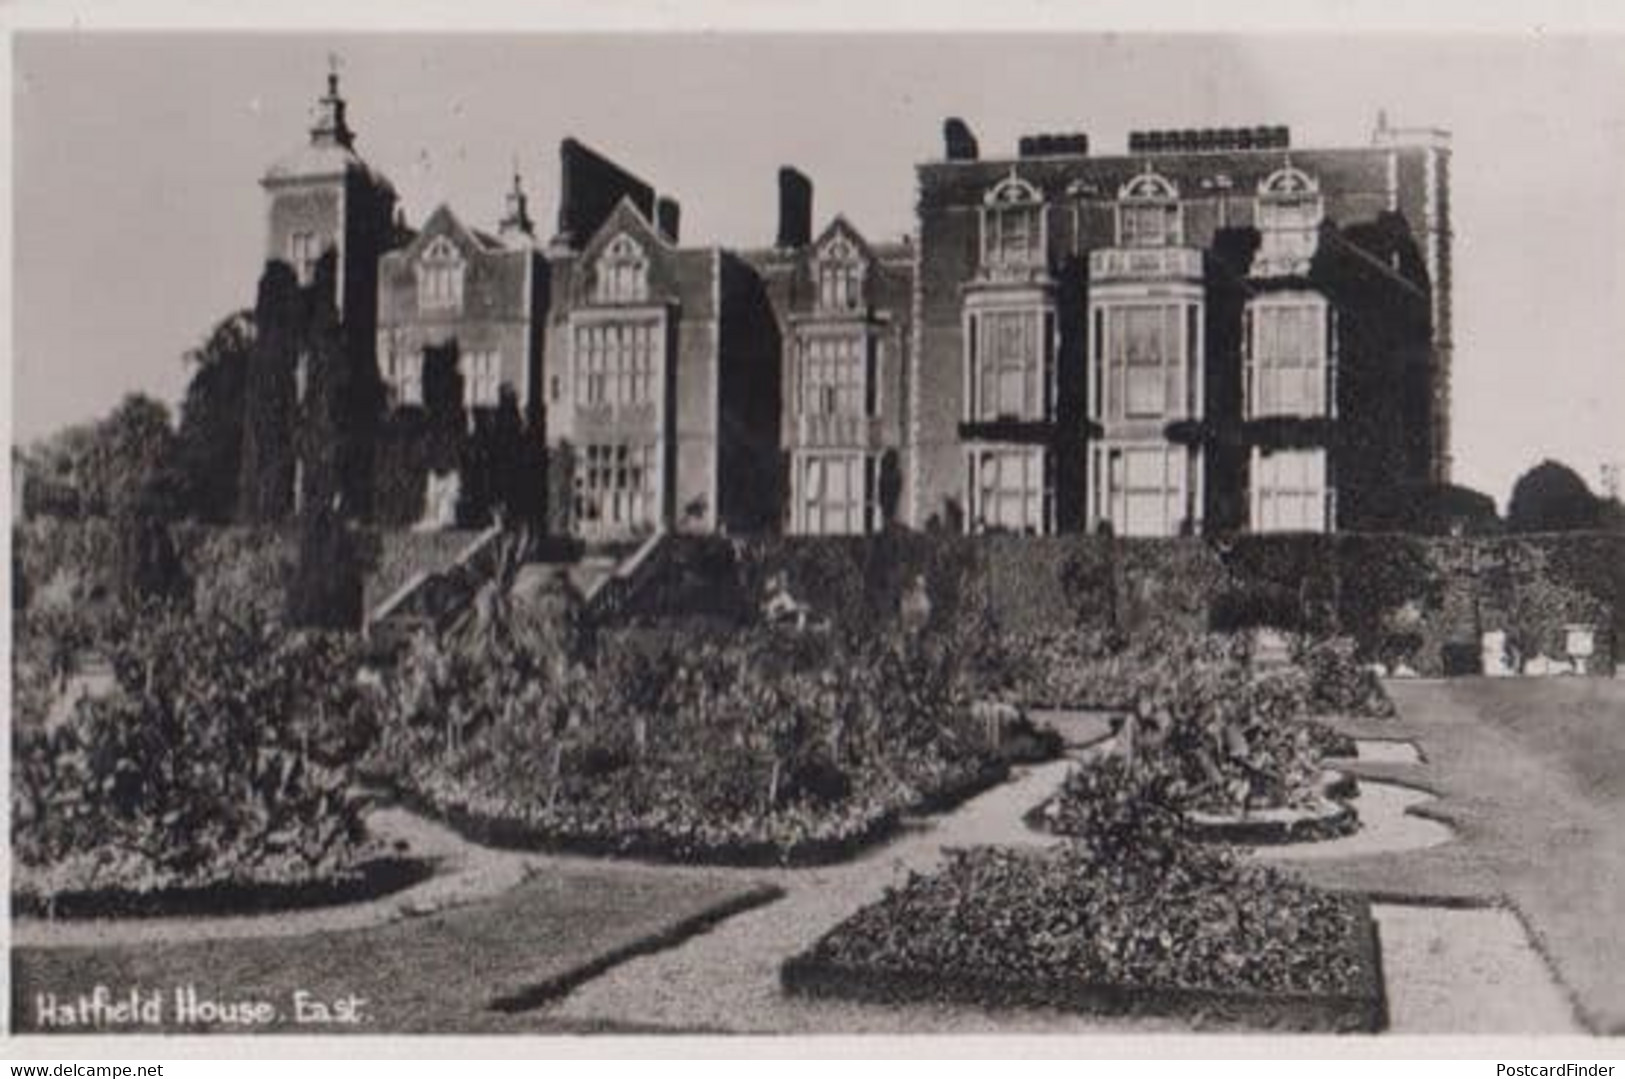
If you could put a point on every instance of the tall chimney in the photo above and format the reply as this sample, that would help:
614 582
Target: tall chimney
590 187
795 208
667 217
958 142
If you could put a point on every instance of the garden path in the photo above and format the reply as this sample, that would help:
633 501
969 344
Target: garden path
728 978
464 873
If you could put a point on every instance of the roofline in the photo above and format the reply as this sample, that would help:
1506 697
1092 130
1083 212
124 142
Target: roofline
1125 155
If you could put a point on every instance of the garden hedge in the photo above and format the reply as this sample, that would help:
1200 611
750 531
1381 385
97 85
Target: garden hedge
1404 599
230 569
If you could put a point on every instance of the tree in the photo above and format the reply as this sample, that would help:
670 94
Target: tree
1551 497
326 591
265 486
209 443
119 462
323 427
147 566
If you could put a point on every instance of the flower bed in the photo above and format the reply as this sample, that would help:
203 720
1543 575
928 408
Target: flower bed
1073 929
38 895
217 767
1221 752
747 750
798 837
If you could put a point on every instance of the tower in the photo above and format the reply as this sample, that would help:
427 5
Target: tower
323 198
315 391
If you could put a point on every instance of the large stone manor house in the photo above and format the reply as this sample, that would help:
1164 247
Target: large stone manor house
1212 331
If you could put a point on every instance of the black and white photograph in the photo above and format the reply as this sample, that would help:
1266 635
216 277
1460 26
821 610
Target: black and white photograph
703 531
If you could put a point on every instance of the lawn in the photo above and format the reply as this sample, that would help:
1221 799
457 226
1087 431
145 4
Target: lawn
1532 775
481 968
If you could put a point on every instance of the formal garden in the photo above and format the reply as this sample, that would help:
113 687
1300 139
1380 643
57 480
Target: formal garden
761 707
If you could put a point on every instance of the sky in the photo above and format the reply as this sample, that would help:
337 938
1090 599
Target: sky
139 221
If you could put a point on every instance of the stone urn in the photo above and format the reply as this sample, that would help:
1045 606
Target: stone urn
440 496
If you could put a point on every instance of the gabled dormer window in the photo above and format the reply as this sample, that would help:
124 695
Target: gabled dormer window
1290 211
622 273
1013 230
840 269
1148 212
440 276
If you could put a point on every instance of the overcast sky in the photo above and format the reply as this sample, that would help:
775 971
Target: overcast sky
139 219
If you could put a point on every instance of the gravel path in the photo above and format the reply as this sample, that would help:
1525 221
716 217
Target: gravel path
464 873
1388 750
728 978
1467 972
1455 971
1386 827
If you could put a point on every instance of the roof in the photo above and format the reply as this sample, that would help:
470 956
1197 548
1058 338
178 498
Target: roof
316 160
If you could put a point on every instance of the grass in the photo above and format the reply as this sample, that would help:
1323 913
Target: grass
1531 773
481 968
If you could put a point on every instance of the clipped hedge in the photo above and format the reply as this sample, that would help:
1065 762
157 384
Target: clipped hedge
1401 599
233 570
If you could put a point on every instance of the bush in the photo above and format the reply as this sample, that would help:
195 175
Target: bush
326 590
1338 683
219 759
749 747
1205 732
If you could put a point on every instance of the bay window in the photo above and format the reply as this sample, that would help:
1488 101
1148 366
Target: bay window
1287 357
617 363
616 488
1146 361
837 494
1010 488
837 376
1010 364
1145 489
1289 492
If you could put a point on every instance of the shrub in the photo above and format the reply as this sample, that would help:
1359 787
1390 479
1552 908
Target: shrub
326 590
1338 683
146 566
691 750
220 758
1203 732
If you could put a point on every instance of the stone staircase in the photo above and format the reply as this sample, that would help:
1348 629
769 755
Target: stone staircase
435 600
439 600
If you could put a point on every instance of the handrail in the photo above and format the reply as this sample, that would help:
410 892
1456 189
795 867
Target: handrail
398 599
610 593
